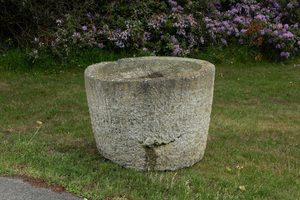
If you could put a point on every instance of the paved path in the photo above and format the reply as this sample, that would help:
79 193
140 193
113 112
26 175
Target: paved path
17 189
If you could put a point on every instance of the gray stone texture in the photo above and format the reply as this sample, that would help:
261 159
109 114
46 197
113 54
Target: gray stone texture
17 189
151 113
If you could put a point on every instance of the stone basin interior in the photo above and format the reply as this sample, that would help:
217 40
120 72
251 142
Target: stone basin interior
148 68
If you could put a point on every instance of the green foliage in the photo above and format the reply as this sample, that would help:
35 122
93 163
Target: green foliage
163 28
78 59
22 20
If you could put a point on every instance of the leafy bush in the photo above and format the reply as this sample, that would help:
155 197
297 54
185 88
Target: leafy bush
21 20
262 25
176 27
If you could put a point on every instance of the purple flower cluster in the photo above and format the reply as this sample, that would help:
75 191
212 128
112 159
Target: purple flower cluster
235 25
285 54
175 7
179 31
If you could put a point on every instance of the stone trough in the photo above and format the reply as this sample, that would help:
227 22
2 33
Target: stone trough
151 113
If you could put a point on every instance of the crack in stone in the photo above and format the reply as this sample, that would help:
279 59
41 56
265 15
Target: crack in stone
150 142
150 154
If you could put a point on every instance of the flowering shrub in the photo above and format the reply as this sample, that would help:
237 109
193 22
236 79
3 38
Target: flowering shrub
22 20
69 36
256 24
179 27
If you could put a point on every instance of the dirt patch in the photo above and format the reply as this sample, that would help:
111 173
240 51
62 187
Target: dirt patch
7 132
43 183
4 87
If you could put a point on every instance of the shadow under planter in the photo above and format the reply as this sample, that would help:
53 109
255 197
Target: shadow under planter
151 113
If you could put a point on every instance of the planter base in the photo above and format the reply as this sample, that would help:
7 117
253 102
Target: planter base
151 113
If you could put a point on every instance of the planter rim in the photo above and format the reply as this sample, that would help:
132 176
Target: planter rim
93 70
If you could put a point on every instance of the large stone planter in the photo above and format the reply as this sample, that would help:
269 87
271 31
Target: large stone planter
151 113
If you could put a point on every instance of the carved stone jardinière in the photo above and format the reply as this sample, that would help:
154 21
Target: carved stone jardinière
151 113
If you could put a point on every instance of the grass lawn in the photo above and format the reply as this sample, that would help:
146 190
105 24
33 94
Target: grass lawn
252 150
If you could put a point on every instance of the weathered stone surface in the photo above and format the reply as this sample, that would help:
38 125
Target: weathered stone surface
151 113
